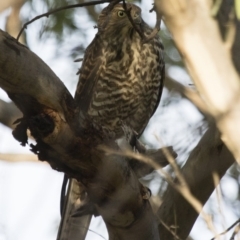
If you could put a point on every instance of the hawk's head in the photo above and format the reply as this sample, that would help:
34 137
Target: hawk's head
116 22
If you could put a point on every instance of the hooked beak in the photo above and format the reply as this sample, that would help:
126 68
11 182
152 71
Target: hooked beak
137 20
136 16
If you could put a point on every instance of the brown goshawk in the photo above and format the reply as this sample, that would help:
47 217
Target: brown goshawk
121 78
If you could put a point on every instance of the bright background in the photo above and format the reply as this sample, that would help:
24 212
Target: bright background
30 191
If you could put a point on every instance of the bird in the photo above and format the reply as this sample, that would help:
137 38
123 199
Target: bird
121 77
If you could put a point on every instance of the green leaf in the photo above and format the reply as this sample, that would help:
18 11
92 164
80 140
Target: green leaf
237 8
215 8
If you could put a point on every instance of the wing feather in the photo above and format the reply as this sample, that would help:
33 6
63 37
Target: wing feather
162 70
89 73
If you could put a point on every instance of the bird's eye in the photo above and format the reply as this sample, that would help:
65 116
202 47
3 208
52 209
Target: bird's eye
121 13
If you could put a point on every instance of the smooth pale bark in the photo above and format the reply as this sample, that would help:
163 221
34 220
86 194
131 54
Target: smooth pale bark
13 21
209 62
9 3
49 112
197 37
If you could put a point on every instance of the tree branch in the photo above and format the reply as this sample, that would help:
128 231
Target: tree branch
208 62
61 9
18 157
209 156
70 144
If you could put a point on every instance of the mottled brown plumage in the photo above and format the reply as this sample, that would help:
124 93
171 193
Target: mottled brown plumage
121 79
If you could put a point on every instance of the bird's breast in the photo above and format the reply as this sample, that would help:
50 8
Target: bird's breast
127 86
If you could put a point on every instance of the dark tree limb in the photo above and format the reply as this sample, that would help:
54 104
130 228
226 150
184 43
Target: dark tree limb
209 156
50 114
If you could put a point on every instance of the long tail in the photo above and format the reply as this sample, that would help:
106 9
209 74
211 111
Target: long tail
72 227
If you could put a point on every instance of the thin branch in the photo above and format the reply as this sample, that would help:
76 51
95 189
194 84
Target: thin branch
228 229
175 167
236 231
136 28
157 25
182 187
169 229
19 158
216 180
61 9
98 234
208 156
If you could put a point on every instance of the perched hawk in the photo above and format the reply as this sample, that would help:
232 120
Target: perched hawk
121 78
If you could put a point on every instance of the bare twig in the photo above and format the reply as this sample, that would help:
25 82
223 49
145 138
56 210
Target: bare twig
136 27
97 234
182 188
157 25
236 230
19 158
61 9
175 167
228 229
216 180
169 228
78 60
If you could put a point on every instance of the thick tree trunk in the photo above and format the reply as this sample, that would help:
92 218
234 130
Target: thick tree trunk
209 62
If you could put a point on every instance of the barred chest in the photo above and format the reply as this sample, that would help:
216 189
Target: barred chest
128 86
